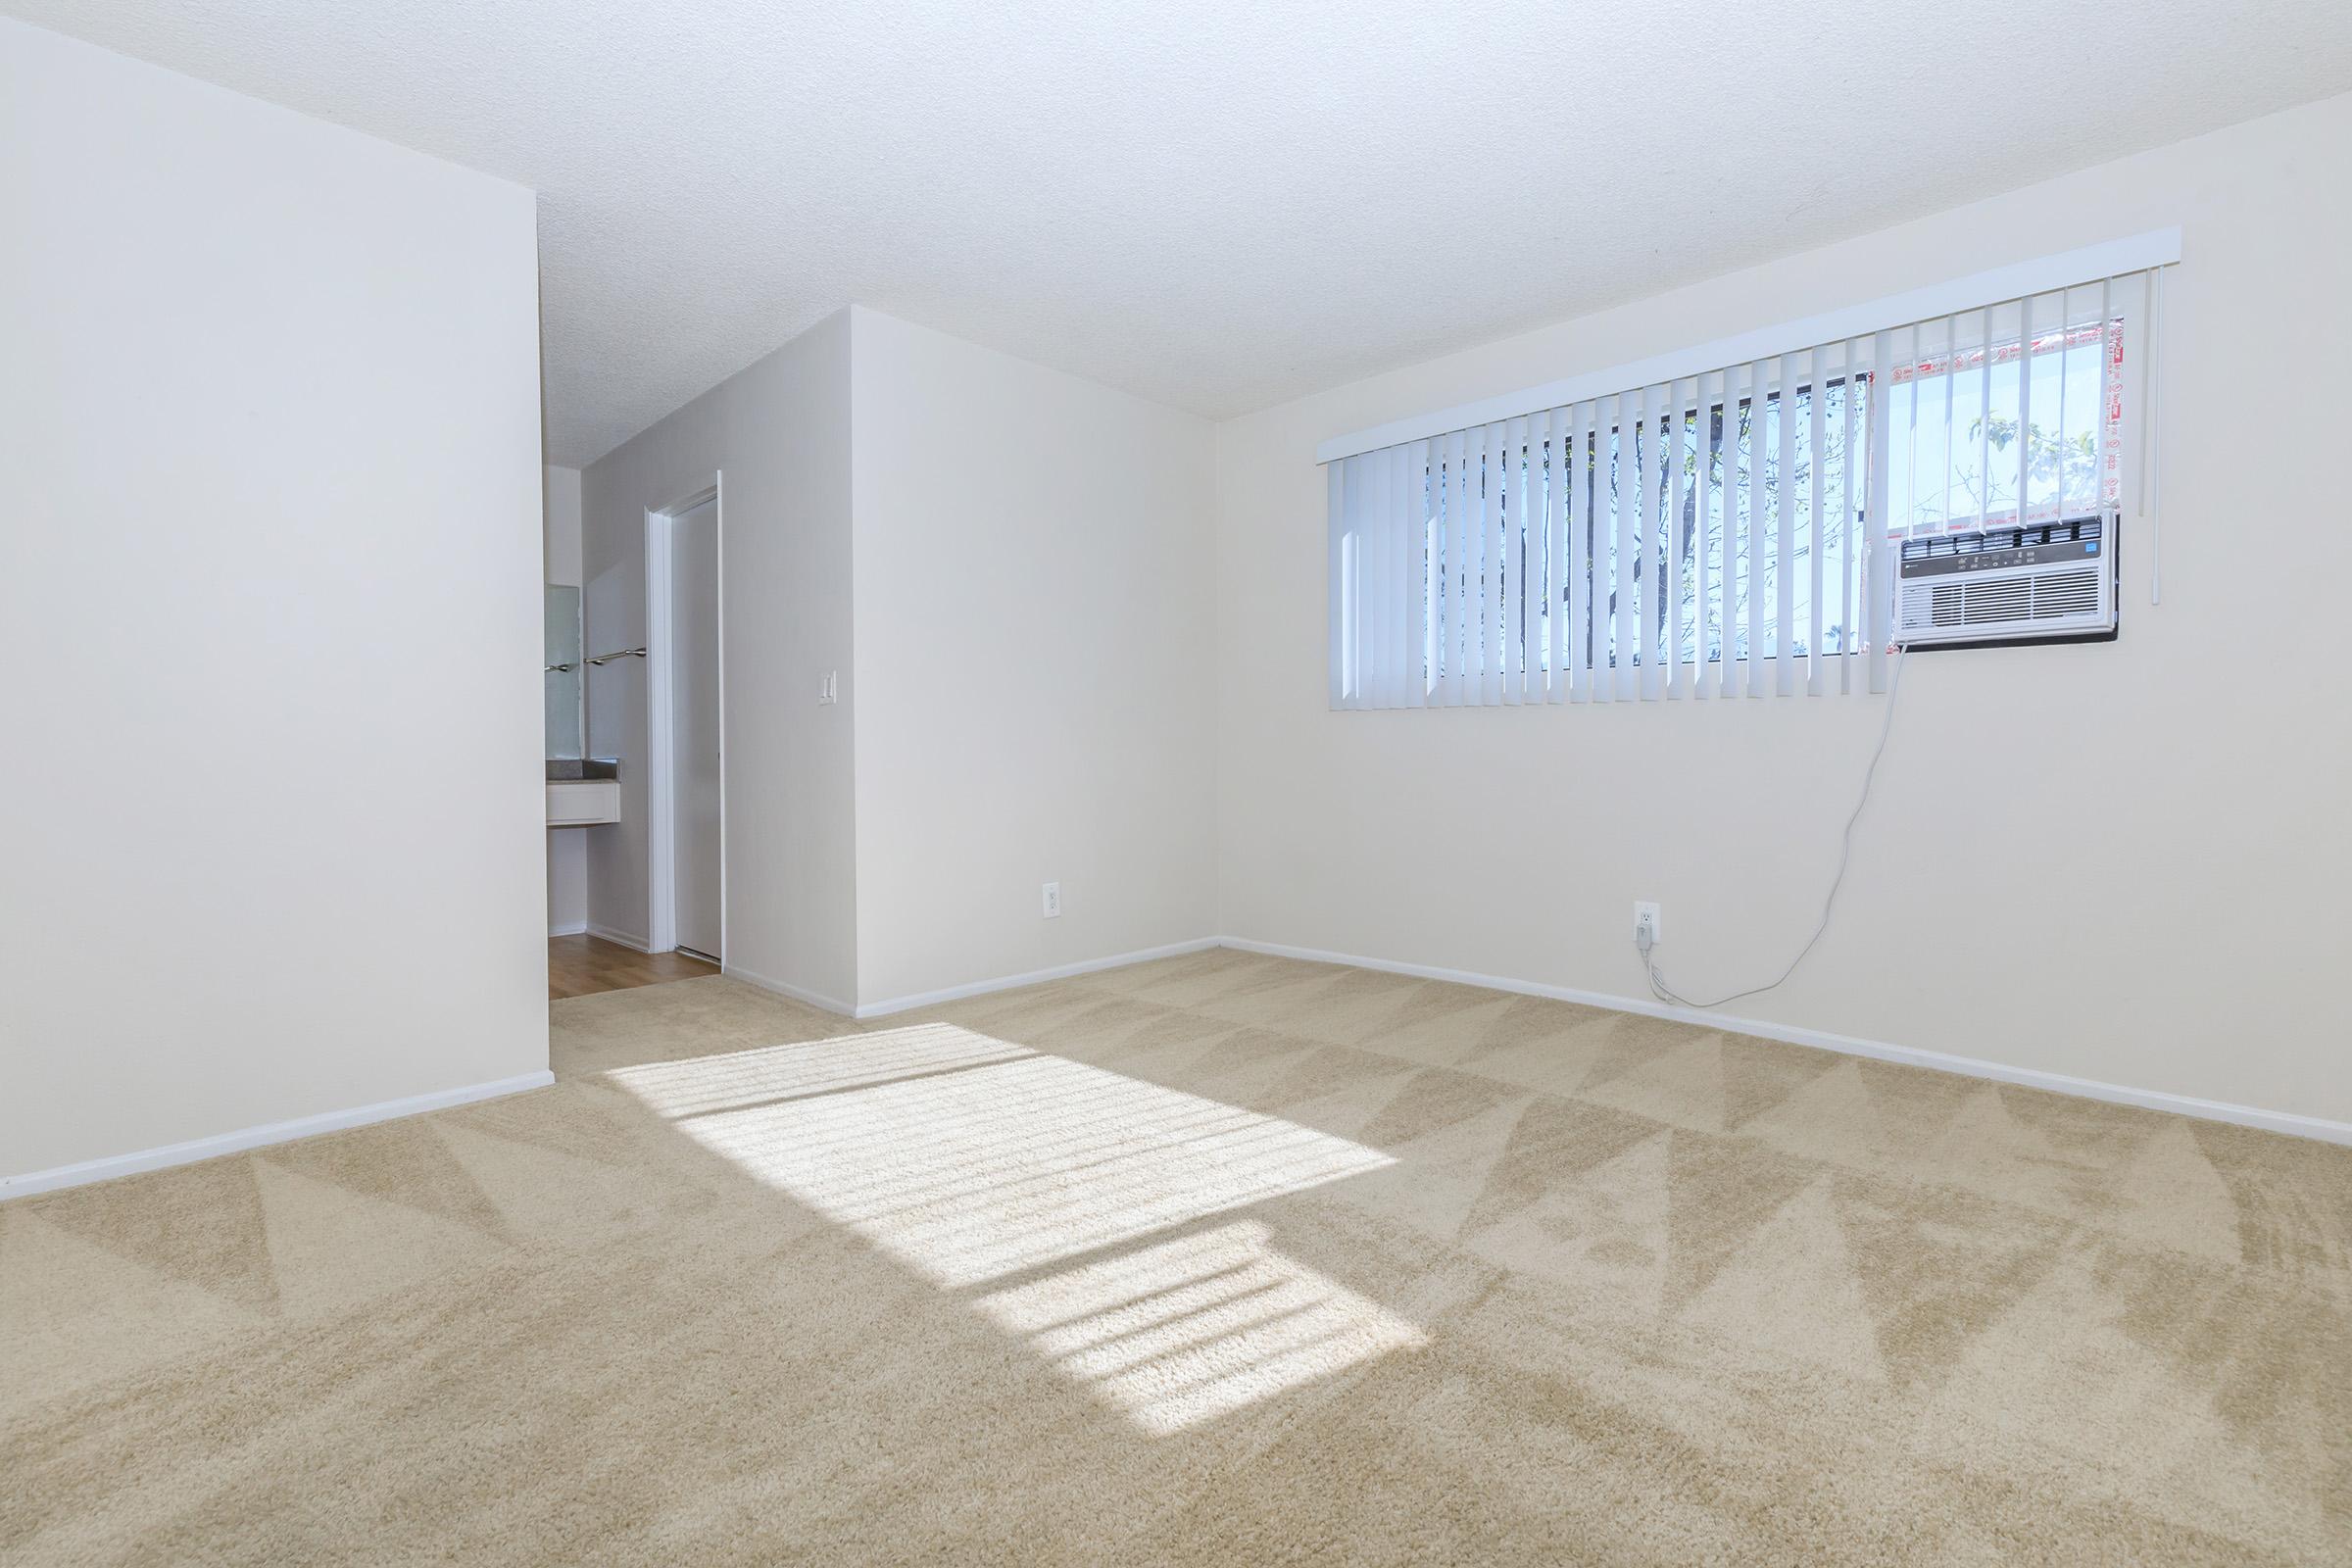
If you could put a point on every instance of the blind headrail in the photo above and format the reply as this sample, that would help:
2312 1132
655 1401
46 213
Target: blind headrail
2045 274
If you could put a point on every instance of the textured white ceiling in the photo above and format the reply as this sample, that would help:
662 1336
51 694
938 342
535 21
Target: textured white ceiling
1218 204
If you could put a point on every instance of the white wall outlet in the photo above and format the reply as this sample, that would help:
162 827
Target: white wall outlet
1053 901
1647 915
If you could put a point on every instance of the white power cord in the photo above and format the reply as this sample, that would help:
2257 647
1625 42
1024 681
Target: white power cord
1642 941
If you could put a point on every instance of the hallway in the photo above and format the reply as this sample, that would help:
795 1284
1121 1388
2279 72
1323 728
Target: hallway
583 965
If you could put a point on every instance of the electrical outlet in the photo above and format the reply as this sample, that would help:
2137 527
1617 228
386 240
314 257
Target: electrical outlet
1053 901
1647 915
828 687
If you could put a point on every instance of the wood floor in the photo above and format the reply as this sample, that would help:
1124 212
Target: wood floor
582 965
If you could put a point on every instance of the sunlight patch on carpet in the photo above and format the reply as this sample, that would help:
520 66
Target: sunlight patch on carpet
1180 1332
968 1158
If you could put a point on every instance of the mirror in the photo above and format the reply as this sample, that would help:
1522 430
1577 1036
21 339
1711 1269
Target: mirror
564 671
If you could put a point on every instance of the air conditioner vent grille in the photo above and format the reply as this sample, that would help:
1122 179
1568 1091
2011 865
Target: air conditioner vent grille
1983 541
1983 600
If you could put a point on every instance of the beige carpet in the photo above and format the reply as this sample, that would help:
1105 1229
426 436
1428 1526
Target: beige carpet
1221 1260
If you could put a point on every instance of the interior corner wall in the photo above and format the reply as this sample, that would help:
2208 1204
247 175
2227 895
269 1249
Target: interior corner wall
1034 622
561 525
567 846
780 432
270 598
2122 863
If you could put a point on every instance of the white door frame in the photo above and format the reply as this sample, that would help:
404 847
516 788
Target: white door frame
661 750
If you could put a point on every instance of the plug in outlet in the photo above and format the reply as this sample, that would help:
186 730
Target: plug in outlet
1053 901
1647 928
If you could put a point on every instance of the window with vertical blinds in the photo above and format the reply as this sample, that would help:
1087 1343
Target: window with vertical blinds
1728 531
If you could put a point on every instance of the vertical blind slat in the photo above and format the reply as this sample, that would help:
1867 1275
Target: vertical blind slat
1539 563
1337 482
1632 498
1447 688
1728 675
1465 566
1655 660
1572 552
1600 610
1498 568
1951 424
1526 558
1449 593
1633 594
1784 555
1504 470
1580 559
1702 630
1467 570
1600 613
1845 517
1438 503
1677 493
2152 427
2151 413
1621 565
1759 522
2066 353
1415 525
1875 534
1652 550
1475 612
1660 599
1540 628
1608 416
1985 428
1555 552
1465 622
2106 393
1556 681
1817 523
1362 507
2025 411
1517 560
1604 548
1389 591
1483 686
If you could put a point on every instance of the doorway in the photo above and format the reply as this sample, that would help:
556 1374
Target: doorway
685 729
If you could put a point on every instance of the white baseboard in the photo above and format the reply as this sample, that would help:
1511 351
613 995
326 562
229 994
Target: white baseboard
782 988
570 928
980 987
276 1132
2276 1121
627 939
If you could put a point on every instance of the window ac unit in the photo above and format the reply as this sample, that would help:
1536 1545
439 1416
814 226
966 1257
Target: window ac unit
2039 582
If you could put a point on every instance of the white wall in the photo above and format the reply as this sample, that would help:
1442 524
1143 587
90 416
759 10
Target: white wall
561 525
780 430
567 846
2066 848
269 602
1033 633
566 880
